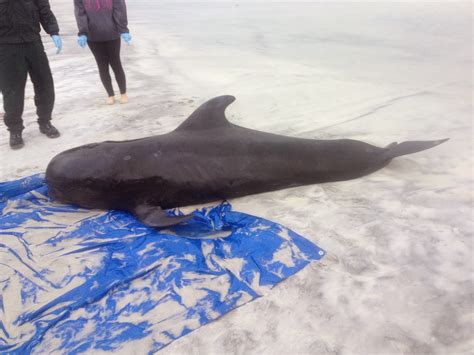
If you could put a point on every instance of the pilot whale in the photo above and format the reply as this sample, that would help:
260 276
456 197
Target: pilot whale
205 159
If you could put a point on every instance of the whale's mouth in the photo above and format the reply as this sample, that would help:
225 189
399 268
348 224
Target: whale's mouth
57 193
80 195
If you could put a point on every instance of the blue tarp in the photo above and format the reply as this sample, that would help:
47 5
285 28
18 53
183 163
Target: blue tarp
75 280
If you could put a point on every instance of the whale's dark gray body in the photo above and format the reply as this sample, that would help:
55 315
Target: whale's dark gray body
206 159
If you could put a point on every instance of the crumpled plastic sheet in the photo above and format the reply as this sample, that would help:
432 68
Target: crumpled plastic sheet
74 280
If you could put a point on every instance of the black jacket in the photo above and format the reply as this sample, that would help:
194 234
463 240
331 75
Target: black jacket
20 20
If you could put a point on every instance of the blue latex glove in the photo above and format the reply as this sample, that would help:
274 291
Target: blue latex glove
58 43
126 37
82 41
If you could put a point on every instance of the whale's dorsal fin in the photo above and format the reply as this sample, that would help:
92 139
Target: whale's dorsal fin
210 114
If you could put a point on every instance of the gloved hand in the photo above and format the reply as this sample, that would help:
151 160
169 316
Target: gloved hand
58 43
82 41
126 37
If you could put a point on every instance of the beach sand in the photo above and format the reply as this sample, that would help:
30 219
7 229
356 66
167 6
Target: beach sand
398 277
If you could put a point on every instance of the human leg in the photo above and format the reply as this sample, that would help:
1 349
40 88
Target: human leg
13 75
99 50
113 51
42 79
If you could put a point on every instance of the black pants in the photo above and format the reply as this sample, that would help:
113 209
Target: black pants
108 53
16 62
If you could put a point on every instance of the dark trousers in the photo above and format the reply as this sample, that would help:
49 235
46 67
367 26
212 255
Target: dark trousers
108 54
16 62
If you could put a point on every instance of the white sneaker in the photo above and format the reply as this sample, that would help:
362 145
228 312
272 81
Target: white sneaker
124 99
110 100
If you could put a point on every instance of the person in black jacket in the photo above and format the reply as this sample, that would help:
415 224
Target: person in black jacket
101 23
22 53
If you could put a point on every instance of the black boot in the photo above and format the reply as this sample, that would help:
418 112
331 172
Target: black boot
49 130
16 140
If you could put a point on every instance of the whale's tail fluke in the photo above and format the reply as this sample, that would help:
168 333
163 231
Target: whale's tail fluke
397 149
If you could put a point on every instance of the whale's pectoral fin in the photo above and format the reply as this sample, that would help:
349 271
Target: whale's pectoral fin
210 114
154 216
